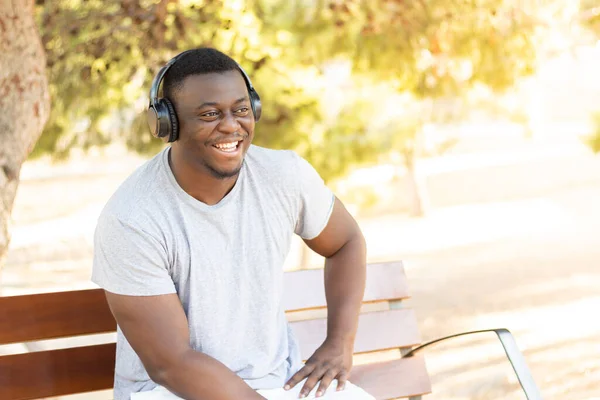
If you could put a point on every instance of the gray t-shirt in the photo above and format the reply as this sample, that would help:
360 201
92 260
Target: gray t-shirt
225 261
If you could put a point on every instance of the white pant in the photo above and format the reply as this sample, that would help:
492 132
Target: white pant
351 392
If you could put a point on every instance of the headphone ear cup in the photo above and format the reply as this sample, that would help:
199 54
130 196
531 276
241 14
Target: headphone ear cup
153 121
160 119
174 131
255 104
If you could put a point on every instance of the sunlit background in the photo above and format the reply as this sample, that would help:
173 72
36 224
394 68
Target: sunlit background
462 136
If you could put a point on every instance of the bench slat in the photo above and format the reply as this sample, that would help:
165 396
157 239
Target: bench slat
305 289
379 330
57 372
54 315
393 379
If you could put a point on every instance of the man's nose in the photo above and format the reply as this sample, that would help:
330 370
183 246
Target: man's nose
229 124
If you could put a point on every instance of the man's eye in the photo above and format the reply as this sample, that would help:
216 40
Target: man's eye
210 114
243 110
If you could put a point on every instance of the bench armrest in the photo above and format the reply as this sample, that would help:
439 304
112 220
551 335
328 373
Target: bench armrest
512 352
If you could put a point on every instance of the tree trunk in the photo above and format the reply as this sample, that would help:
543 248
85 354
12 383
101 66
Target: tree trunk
418 190
24 100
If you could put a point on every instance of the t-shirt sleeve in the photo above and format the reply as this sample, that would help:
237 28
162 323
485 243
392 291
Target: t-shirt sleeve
315 200
128 260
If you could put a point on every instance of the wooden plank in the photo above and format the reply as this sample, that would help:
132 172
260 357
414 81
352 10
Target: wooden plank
305 289
316 313
53 315
379 330
393 379
57 372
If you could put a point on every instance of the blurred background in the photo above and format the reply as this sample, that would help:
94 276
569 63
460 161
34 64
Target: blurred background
461 134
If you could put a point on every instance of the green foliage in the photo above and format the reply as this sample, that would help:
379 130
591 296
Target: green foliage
428 47
346 142
590 15
102 56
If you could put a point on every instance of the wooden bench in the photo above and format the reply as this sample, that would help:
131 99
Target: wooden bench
385 324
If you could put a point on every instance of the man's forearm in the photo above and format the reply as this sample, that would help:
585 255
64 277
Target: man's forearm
345 276
197 376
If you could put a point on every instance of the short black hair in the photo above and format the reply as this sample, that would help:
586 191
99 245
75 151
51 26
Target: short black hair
203 60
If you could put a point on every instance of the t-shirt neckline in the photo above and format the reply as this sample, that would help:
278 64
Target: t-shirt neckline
187 198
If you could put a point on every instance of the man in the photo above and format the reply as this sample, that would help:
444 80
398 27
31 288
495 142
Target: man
190 249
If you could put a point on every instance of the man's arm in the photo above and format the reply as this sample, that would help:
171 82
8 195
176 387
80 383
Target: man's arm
157 329
343 246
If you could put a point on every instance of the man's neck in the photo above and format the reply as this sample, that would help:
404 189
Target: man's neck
201 184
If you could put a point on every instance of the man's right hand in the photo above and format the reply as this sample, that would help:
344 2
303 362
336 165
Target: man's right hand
157 329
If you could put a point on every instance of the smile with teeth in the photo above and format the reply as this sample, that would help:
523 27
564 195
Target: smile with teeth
229 147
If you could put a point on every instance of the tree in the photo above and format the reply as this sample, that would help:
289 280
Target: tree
427 48
24 100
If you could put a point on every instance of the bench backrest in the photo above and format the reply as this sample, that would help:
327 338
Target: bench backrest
386 329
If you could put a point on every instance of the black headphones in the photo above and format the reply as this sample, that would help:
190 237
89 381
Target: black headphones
161 115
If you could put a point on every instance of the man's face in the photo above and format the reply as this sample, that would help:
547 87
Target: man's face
216 124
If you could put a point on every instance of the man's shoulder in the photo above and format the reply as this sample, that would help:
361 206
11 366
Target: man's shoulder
270 161
271 156
138 191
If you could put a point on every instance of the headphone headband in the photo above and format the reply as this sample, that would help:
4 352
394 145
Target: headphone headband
160 75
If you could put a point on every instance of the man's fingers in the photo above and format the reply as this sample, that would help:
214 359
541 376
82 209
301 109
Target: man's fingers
299 376
312 381
342 379
325 382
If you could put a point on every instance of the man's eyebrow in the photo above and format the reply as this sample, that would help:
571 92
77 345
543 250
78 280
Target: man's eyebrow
213 103
208 103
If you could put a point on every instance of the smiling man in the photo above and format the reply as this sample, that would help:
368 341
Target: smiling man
190 249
